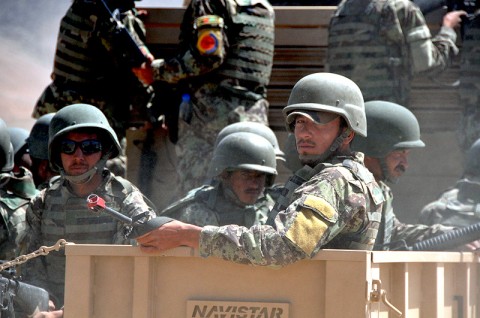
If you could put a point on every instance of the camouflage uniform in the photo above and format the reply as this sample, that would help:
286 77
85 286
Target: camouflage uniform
56 213
458 206
381 44
90 68
216 205
393 233
226 86
337 206
469 89
15 195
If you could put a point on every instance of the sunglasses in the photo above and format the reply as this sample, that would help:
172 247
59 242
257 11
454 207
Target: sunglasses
88 147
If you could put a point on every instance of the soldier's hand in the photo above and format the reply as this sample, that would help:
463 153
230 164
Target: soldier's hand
144 73
473 246
49 314
170 235
453 18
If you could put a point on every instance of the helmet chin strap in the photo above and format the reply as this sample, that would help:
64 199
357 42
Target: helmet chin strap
313 160
87 176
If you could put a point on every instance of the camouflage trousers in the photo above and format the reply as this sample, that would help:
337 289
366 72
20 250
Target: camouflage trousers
194 148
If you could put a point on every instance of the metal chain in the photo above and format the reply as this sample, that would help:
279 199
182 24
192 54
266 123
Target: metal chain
43 250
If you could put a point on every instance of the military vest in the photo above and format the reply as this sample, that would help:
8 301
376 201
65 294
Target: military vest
66 216
251 37
225 210
385 230
461 205
12 225
14 199
82 60
359 49
363 240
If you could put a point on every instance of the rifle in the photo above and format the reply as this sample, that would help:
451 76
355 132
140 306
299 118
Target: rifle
18 299
130 51
448 240
138 224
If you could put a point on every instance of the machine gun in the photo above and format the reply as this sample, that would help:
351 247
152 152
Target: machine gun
18 299
130 51
138 223
447 241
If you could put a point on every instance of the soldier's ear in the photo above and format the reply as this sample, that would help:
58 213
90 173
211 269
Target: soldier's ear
349 138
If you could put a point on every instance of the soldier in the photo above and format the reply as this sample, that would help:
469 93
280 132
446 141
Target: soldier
393 131
256 128
15 194
80 142
381 44
21 157
243 164
334 203
459 205
38 149
93 65
225 61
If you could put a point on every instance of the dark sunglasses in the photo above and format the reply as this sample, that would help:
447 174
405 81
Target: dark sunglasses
88 147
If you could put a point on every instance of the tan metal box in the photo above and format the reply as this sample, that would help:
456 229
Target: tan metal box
121 281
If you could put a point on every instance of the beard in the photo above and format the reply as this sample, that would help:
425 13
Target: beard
313 160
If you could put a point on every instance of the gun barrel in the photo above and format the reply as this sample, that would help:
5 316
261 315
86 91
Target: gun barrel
449 240
97 204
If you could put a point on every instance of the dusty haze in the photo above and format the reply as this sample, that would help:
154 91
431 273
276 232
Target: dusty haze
28 31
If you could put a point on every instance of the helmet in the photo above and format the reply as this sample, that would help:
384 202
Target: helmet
472 167
6 149
329 93
18 138
78 116
38 139
390 127
243 150
256 128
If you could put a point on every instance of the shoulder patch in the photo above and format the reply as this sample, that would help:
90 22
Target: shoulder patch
321 207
